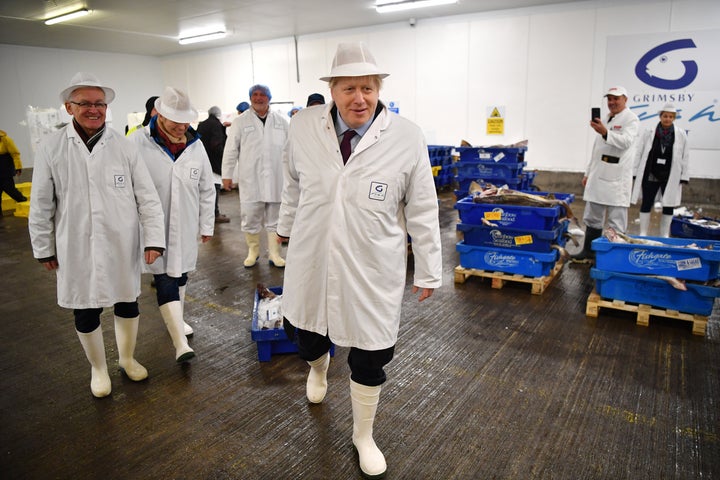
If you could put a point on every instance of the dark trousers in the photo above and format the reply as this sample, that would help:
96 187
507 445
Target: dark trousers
649 192
366 366
88 319
7 178
217 200
167 288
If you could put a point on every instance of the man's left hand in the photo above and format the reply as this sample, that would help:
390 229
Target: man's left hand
424 292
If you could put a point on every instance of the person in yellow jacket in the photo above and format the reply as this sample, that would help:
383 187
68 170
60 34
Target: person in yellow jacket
10 167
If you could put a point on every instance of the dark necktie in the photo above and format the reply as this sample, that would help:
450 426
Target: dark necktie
345 148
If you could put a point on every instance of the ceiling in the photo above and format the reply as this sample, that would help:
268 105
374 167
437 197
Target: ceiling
152 27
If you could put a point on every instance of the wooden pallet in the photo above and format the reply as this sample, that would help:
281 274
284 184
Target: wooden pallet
594 302
539 284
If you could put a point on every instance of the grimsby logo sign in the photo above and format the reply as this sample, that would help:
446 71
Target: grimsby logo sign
658 61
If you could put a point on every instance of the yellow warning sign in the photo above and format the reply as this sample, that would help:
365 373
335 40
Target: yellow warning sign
495 121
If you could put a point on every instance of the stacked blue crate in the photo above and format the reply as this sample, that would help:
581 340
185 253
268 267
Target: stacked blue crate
522 240
441 162
496 165
629 272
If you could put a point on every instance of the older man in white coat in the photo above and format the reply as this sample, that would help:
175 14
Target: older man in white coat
608 175
358 180
91 194
254 144
180 168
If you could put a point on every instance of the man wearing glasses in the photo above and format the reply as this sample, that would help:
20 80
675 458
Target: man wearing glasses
91 194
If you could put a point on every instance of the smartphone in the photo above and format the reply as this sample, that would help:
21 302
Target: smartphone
595 113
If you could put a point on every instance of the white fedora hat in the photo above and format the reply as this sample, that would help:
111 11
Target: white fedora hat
174 104
353 59
84 79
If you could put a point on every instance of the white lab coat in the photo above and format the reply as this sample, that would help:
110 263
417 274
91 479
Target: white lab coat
348 227
611 183
187 193
257 149
679 168
86 209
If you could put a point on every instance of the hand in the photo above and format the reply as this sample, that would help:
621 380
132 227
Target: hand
227 184
584 181
151 256
205 238
599 127
281 239
50 264
425 293
18 172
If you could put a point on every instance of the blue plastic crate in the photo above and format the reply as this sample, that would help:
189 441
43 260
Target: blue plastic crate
642 289
489 169
513 238
672 259
272 341
514 216
464 182
522 262
495 154
683 227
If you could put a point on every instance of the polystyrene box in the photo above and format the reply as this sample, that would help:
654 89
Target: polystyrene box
673 259
514 238
642 289
522 262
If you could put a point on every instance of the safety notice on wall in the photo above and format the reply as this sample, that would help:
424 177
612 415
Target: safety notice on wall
496 120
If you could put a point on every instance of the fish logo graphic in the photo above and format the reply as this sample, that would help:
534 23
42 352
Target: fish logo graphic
659 68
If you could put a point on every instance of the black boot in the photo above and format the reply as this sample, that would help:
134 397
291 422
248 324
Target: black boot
586 255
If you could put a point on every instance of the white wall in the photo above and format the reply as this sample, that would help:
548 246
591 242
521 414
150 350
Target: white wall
32 76
544 65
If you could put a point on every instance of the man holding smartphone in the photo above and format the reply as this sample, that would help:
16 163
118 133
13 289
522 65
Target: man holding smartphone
608 175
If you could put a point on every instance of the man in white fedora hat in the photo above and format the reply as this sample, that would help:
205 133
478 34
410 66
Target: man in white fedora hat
91 194
662 164
180 168
358 181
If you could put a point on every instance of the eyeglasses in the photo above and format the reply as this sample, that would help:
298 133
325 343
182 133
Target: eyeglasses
98 105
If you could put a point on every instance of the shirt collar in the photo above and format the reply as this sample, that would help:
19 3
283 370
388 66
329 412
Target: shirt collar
341 126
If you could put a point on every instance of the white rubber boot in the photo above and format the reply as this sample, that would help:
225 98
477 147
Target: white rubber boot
665 222
186 327
364 404
644 223
316 387
172 316
253 243
94 348
274 251
126 337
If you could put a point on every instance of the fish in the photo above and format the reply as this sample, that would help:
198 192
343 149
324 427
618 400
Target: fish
506 196
676 283
264 292
618 237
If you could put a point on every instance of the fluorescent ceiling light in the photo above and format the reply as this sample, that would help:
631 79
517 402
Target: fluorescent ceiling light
399 5
202 38
67 16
